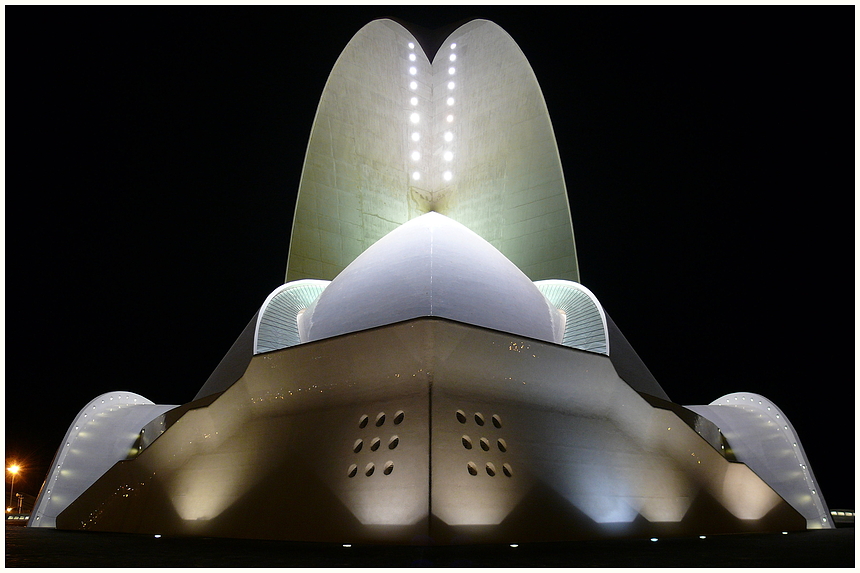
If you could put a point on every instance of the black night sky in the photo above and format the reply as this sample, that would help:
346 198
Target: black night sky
153 156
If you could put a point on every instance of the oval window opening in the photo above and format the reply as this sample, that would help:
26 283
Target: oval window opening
398 417
491 469
485 444
467 442
362 422
368 470
503 446
392 443
461 416
374 444
473 469
380 419
389 467
497 421
356 447
353 469
479 418
506 468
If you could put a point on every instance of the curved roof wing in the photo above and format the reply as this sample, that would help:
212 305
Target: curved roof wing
468 136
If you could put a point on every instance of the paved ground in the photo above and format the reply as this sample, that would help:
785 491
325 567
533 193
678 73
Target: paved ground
49 548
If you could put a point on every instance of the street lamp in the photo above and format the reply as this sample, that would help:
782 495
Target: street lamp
13 469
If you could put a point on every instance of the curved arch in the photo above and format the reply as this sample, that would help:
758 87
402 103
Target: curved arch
396 136
585 324
277 322
760 436
103 433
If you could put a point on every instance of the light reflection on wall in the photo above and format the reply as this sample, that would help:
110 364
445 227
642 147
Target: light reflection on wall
213 458
744 495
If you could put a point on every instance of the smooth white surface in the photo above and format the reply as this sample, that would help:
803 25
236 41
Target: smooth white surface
102 434
432 266
761 437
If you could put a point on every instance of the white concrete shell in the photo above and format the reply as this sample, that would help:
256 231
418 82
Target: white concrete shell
760 435
103 433
585 324
432 266
396 137
278 319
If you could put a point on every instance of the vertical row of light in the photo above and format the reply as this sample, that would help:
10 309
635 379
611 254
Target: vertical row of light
414 117
448 135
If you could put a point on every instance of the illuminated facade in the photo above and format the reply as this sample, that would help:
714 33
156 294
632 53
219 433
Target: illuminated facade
432 369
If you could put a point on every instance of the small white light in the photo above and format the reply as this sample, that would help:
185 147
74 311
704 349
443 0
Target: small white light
514 545
411 57
416 176
411 45
450 101
157 536
413 85
413 70
447 176
450 85
447 156
451 71
347 545
702 537
449 119
449 136
416 156
414 101
414 118
785 533
416 136
653 539
454 45
452 57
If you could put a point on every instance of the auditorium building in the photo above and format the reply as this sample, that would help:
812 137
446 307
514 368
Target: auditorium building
432 369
